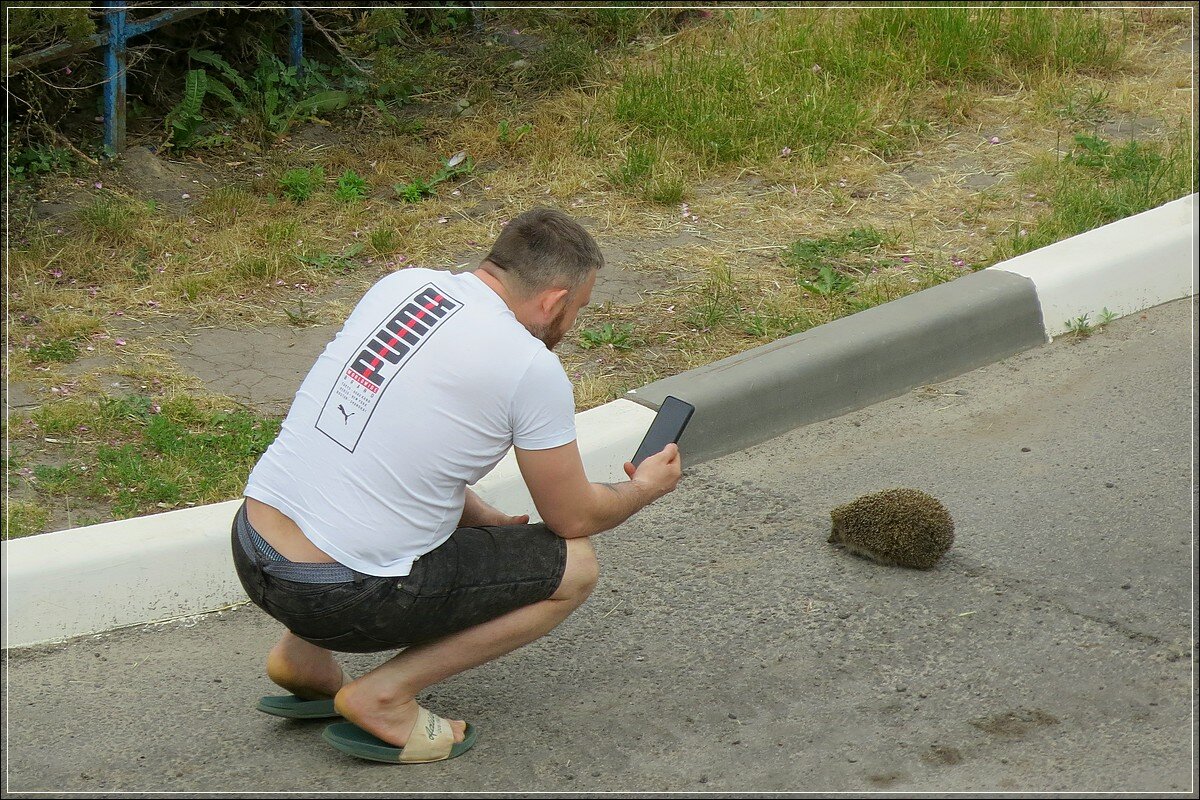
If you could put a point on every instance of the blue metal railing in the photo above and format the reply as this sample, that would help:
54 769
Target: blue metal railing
119 29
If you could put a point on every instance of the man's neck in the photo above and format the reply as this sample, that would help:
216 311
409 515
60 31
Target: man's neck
494 283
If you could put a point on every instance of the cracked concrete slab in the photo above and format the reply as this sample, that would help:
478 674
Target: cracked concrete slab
262 367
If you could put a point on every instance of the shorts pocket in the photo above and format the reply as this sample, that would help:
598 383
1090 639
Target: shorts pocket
292 600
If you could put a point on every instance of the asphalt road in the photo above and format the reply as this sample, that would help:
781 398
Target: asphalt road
729 648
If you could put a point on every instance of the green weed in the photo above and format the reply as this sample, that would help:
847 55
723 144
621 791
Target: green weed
273 96
418 189
29 162
350 187
773 323
60 350
225 204
510 134
300 317
333 261
300 184
716 302
666 187
829 282
1082 106
1080 327
414 191
280 231
618 337
185 123
811 254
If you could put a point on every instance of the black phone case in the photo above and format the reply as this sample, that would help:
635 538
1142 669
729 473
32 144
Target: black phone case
667 427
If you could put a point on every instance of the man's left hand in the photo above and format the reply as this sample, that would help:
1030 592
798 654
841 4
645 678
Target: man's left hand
477 513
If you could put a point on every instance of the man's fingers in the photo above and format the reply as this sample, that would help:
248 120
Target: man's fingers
630 468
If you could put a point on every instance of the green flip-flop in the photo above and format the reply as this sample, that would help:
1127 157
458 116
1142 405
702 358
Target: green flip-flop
431 740
293 707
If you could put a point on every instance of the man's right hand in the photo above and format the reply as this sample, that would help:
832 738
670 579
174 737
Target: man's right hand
660 472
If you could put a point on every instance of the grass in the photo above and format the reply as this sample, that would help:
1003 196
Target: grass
774 194
22 518
1096 183
140 454
813 80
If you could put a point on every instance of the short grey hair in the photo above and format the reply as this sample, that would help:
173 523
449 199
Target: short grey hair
545 249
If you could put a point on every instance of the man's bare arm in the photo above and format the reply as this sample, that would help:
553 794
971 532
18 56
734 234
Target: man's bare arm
572 506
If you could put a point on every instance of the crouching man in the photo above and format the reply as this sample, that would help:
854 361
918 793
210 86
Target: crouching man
359 532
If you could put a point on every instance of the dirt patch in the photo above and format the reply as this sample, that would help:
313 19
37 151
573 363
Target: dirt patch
1130 128
941 755
1015 724
174 185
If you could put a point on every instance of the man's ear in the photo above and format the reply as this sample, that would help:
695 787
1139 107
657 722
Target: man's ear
551 301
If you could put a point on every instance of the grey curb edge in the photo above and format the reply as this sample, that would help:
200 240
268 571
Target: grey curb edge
853 362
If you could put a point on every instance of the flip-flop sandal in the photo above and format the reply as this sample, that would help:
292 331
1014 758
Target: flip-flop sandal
293 707
431 739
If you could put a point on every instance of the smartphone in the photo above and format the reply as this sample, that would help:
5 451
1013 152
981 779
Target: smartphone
667 427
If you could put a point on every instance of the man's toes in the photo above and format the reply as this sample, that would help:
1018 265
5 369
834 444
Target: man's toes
460 729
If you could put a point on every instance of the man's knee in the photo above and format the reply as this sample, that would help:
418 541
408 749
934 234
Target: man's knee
582 570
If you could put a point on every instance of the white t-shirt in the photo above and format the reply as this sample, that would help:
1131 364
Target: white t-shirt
422 392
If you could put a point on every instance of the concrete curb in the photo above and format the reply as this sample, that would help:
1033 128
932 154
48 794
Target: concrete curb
165 566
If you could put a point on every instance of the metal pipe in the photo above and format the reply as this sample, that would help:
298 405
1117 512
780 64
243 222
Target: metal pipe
297 42
114 80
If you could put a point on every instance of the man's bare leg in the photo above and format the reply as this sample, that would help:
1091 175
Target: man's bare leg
304 669
383 702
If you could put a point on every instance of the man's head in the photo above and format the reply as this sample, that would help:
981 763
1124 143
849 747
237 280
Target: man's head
547 265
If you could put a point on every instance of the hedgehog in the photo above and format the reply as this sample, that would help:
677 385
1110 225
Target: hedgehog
895 527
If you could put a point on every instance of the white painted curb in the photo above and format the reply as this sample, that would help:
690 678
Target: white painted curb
1126 266
165 566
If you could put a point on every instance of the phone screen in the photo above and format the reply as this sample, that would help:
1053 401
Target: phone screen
667 427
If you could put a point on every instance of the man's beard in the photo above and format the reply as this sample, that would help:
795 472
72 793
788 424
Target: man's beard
552 333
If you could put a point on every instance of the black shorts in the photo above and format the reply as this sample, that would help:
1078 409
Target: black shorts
476 575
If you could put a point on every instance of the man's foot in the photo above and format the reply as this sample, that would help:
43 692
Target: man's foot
305 670
390 719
